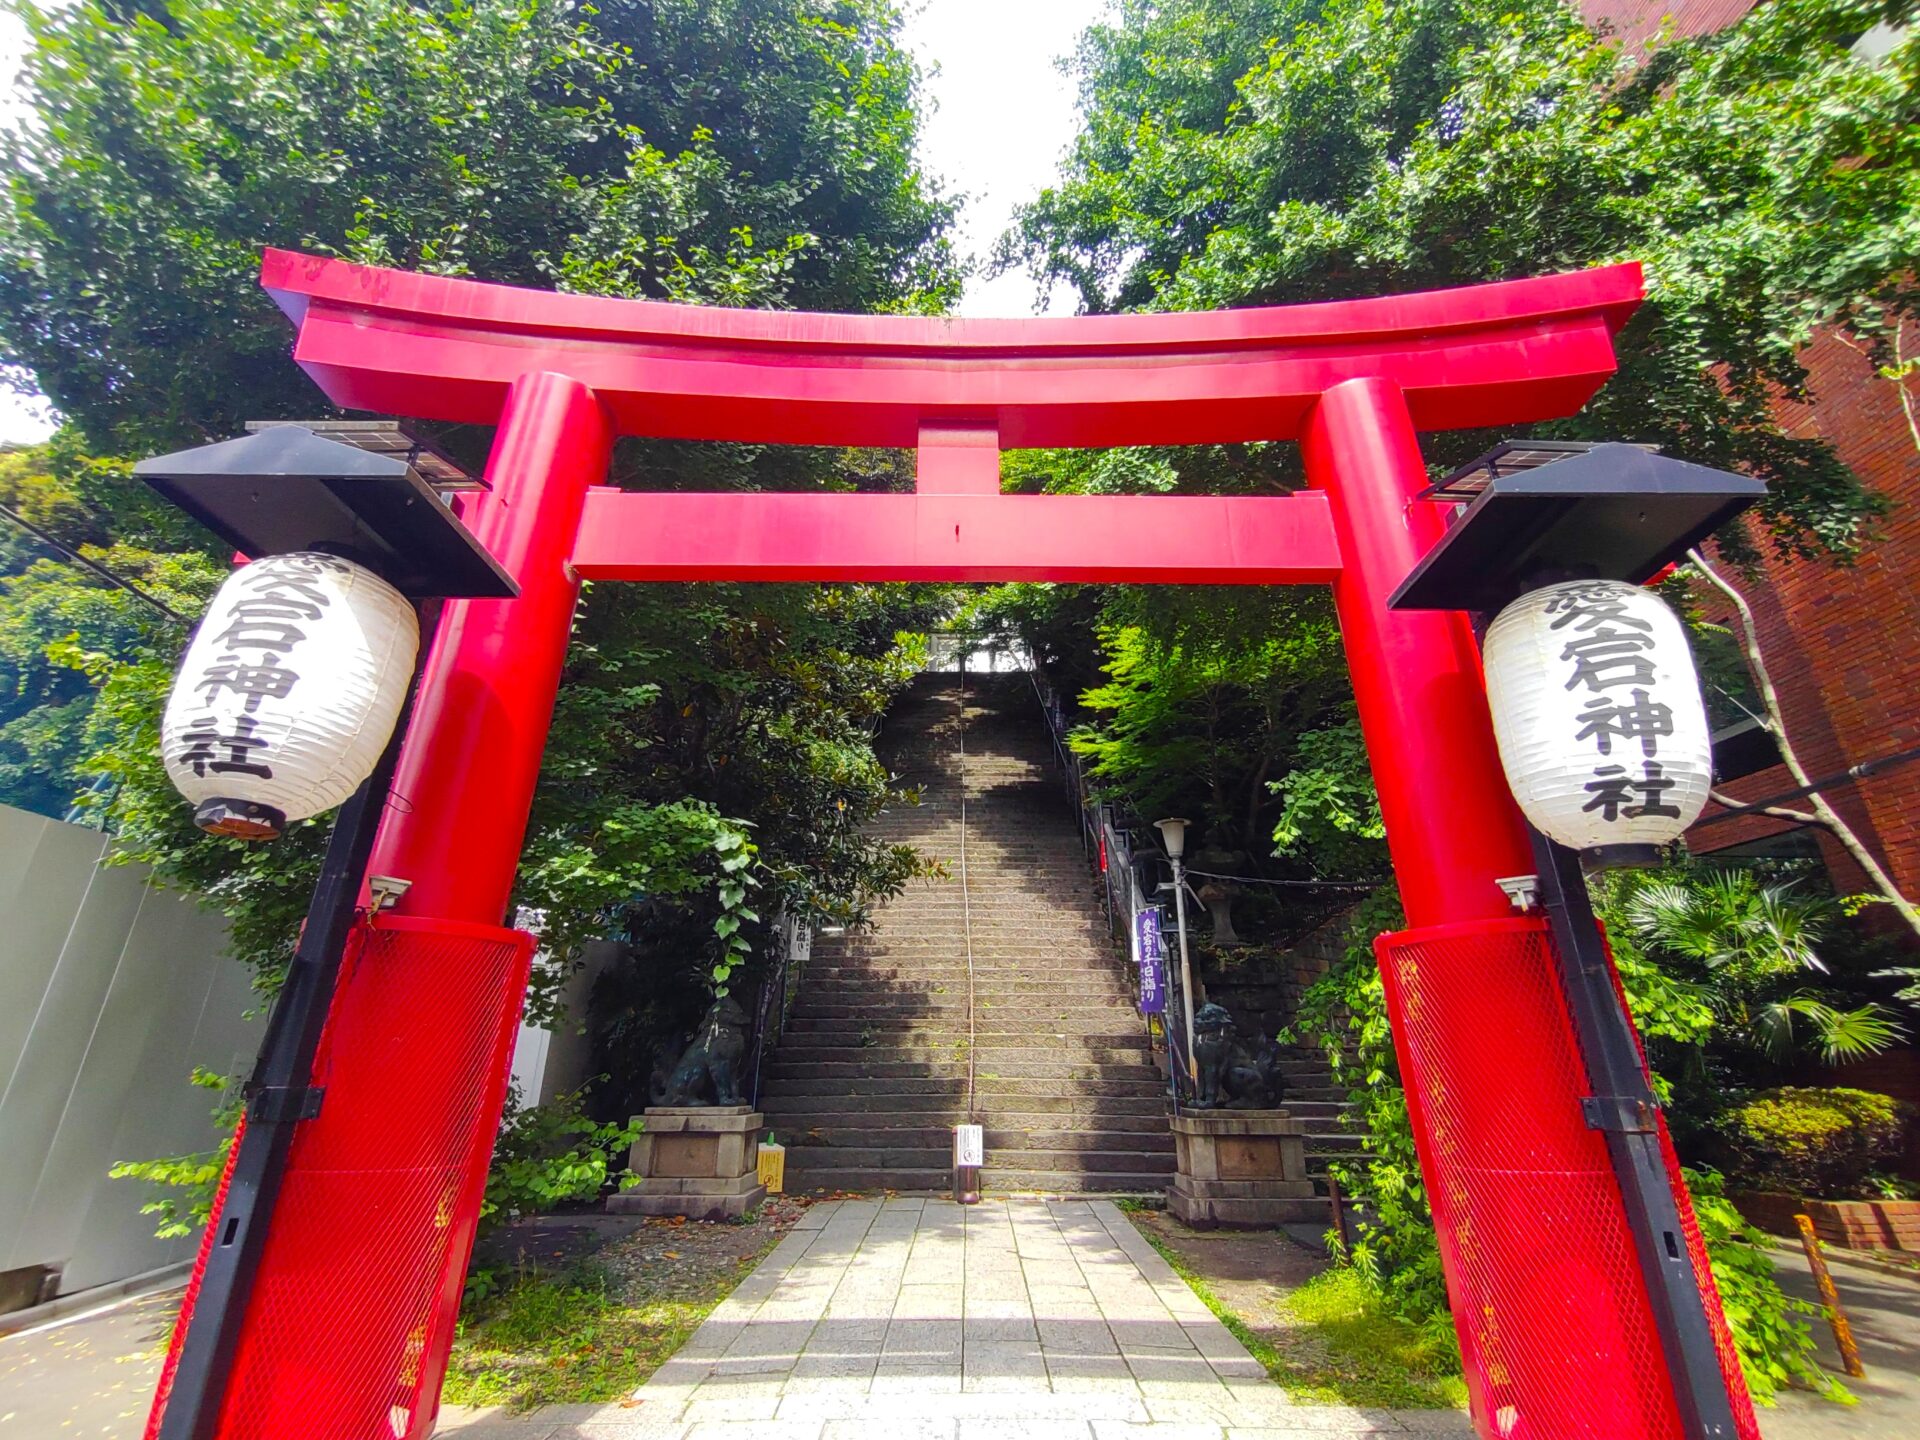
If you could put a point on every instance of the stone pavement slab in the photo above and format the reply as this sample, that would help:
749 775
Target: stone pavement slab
920 1319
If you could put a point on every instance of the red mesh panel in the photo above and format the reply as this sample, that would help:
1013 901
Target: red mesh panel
1744 1419
1556 1332
172 1364
353 1311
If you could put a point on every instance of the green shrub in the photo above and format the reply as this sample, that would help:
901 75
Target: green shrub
1344 1015
549 1154
1394 1254
1821 1142
1770 1329
191 1181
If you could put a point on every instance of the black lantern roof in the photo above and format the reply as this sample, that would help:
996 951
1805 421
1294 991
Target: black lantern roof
1543 511
285 488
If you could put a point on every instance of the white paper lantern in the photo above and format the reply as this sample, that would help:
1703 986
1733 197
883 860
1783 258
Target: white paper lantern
1596 707
288 693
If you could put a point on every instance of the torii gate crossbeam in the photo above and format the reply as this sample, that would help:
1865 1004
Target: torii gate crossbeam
347 1333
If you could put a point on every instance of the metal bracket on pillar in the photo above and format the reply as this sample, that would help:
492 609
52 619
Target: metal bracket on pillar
281 1104
1623 1109
1627 1114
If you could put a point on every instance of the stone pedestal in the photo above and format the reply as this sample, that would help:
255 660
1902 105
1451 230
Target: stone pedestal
1241 1167
700 1161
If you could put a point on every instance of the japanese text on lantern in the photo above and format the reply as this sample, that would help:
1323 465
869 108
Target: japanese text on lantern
1610 654
252 661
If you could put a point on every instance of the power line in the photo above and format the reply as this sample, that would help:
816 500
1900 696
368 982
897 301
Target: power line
74 557
1861 771
1291 884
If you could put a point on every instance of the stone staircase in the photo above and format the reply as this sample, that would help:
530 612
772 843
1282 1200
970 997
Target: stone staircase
872 1071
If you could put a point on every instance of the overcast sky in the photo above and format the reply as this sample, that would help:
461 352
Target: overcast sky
1000 116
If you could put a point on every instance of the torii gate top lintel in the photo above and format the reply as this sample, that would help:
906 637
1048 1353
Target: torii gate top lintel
441 348
958 392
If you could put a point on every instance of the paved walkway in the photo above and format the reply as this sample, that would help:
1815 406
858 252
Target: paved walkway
923 1320
1016 1318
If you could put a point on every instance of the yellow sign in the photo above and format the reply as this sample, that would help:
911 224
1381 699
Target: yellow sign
773 1167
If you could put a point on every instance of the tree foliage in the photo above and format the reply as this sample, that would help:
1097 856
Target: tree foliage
746 152
710 762
1749 951
52 612
1239 152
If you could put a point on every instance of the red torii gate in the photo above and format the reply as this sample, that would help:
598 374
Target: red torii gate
347 1331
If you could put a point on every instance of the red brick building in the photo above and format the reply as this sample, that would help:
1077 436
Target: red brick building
1840 642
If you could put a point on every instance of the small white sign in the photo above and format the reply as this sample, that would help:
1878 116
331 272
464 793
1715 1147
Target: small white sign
968 1146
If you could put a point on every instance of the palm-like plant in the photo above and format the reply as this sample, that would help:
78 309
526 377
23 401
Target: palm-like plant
1748 936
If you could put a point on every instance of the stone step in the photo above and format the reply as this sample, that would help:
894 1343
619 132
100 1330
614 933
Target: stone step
924 941
901 980
931 1033
997 894
908 996
1079 1106
998 1135
1334 1140
1055 906
998 889
986 1050
1150 1128
993 1182
947 1068
950 949
846 988
951 942
1016 877
940 1000
871 1072
1326 1117
801 1091
804 1159
1015 1129
815 1058
985 1085
989 1028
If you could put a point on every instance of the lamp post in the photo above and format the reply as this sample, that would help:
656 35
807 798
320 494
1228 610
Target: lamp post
1173 834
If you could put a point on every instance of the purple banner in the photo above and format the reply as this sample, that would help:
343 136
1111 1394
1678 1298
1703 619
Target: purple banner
1153 973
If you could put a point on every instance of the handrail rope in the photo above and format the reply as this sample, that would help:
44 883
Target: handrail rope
966 899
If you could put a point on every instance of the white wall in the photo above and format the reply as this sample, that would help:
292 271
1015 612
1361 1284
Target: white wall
548 1063
110 993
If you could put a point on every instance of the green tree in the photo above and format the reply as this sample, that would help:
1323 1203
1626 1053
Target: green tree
51 608
740 152
1237 153
710 761
640 148
1241 152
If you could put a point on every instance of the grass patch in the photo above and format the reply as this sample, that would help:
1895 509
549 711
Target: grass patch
1368 1357
572 1339
1333 1345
